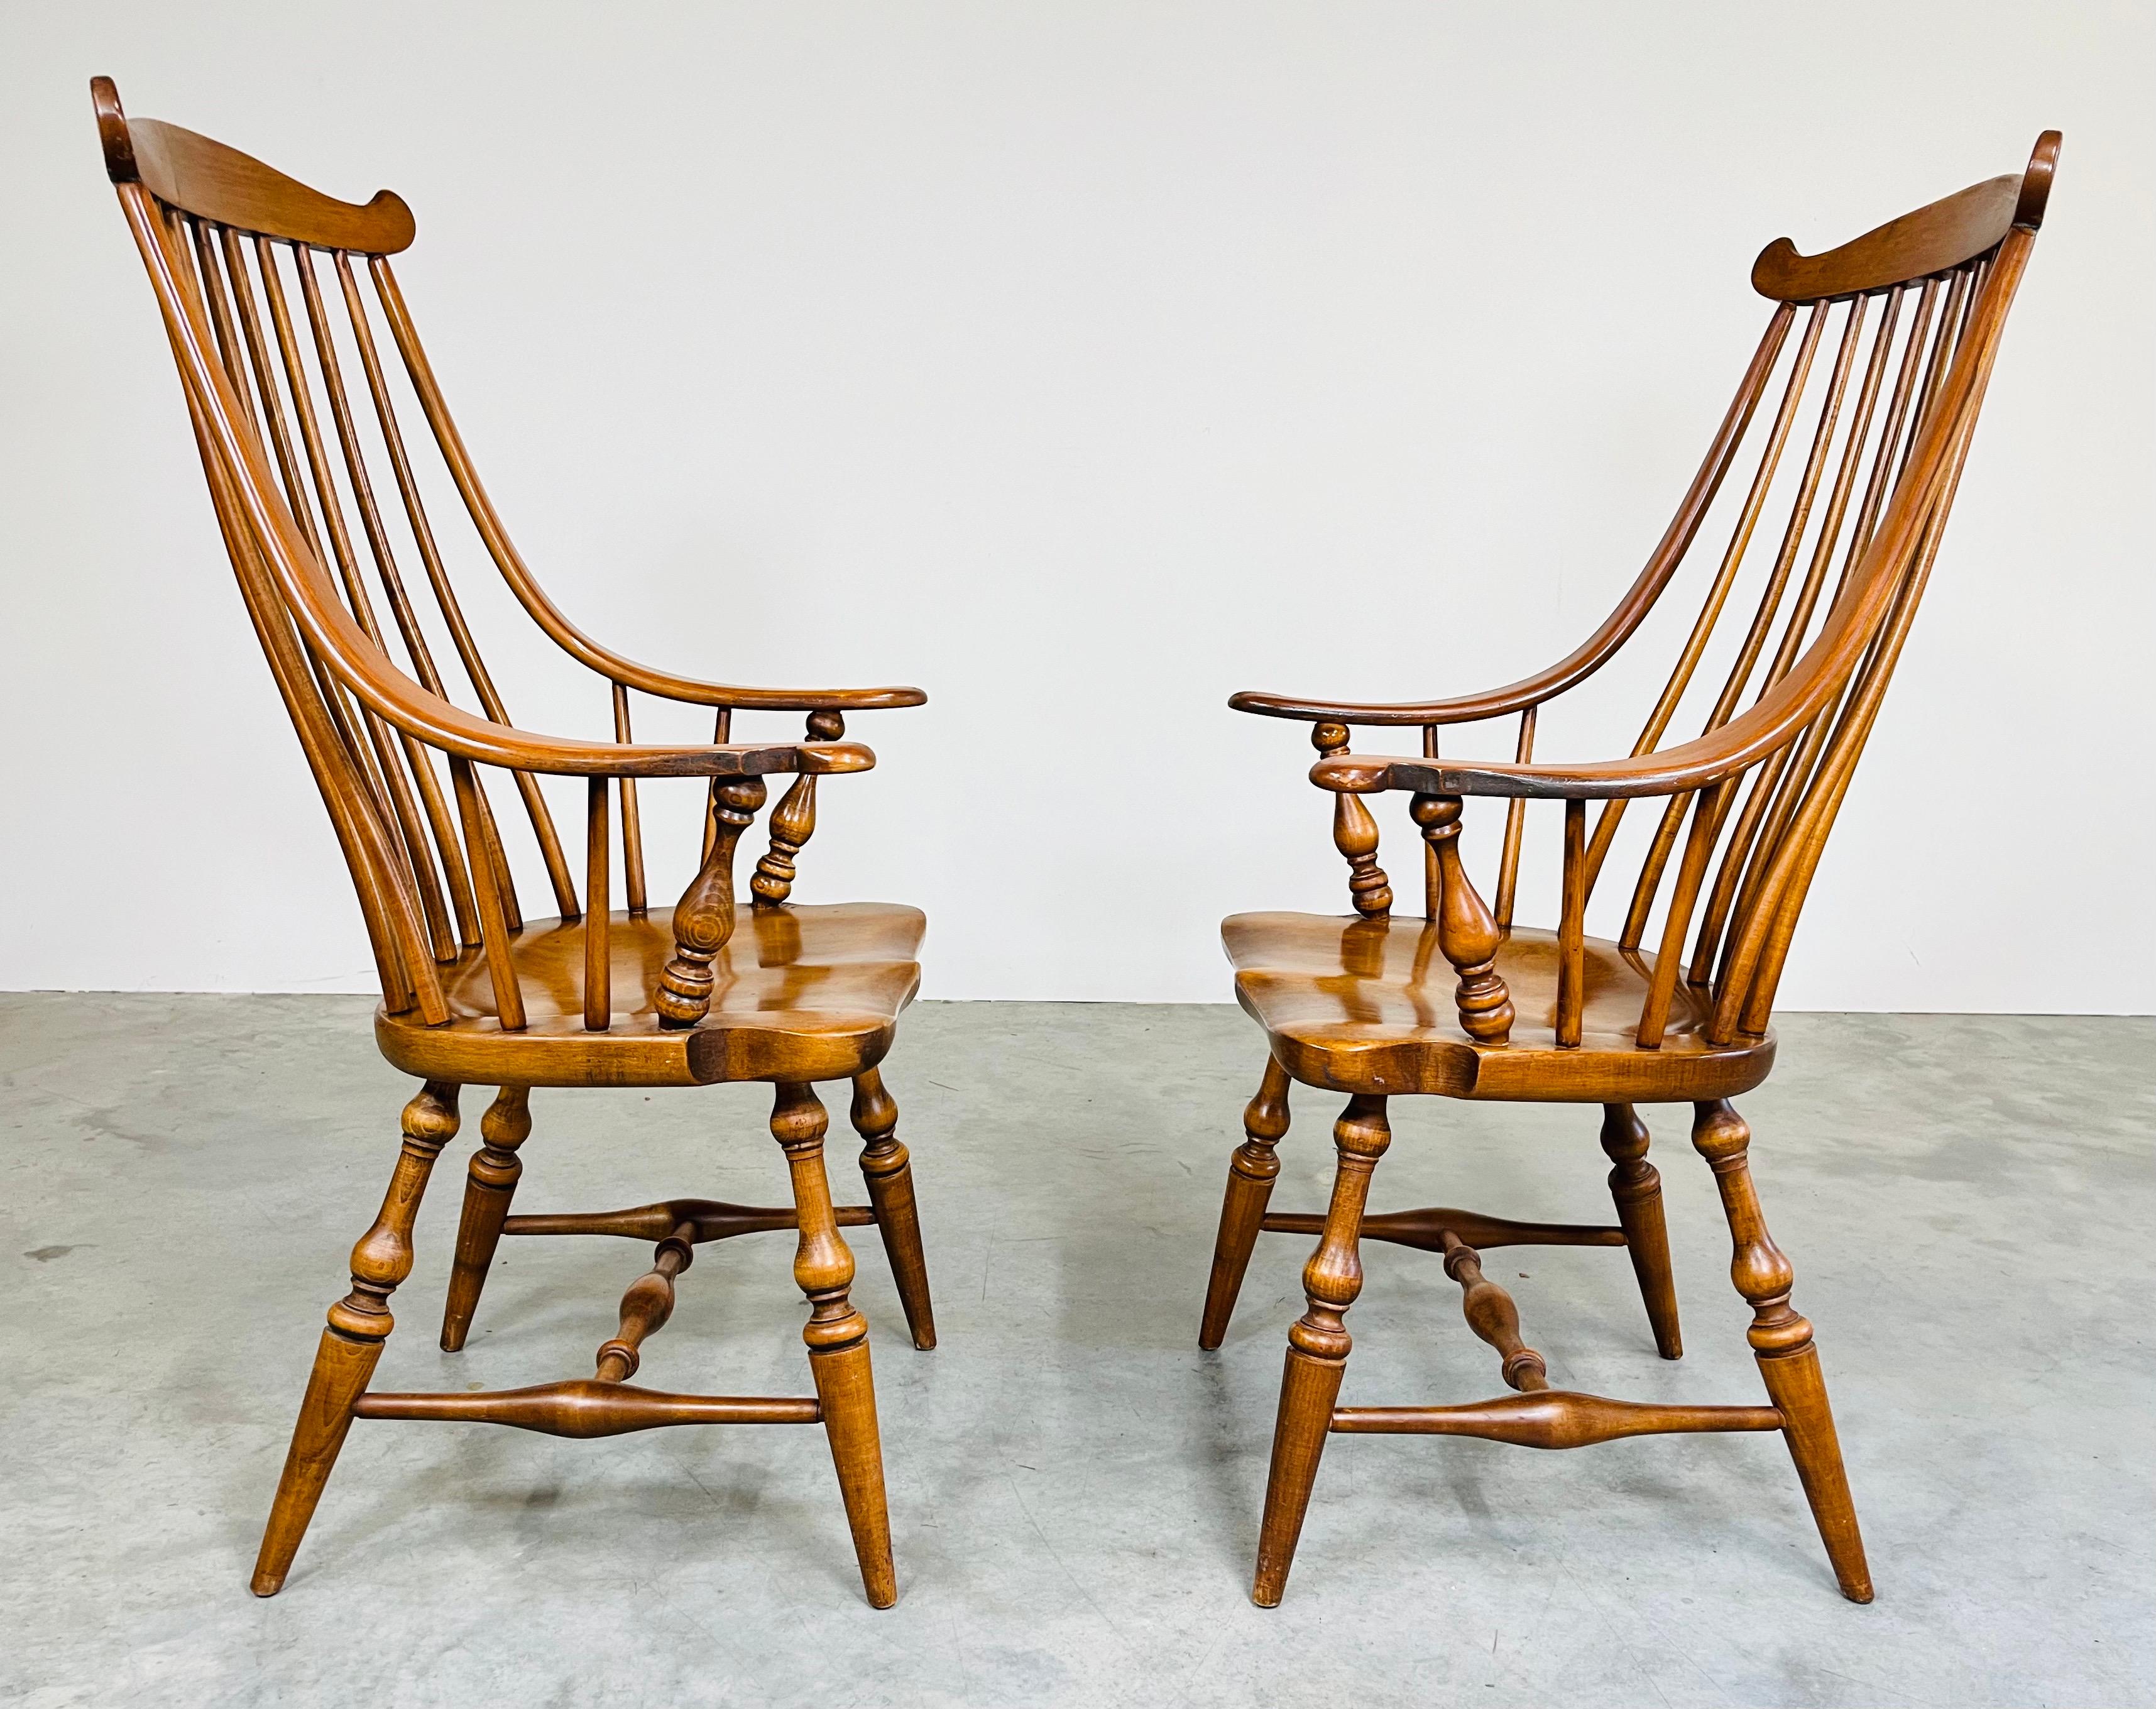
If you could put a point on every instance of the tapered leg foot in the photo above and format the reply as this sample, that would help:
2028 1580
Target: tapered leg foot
1636 1188
1252 1172
837 1335
358 1325
1795 1384
1317 1346
845 1387
488 1187
1310 1387
1782 1341
888 1172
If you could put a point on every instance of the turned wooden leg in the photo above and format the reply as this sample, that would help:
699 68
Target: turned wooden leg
358 1325
1317 1346
838 1338
1252 1172
1782 1342
489 1186
1637 1187
888 1172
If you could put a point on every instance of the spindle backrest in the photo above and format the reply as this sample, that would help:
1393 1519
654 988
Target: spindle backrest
272 294
1848 431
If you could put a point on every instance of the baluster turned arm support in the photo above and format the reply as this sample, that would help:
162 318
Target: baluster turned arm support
792 822
703 917
1467 932
1354 833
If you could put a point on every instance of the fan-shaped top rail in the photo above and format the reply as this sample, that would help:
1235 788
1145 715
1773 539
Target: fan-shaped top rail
1934 239
212 182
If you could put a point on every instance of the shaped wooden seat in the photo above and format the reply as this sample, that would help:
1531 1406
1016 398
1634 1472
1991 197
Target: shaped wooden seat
1353 1004
809 990
1870 377
279 303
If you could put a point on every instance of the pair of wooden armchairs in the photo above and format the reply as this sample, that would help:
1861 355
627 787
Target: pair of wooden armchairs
1875 359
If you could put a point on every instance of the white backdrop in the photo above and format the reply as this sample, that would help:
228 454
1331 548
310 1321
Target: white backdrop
1083 363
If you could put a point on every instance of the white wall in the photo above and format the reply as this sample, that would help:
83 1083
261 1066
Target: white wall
1084 363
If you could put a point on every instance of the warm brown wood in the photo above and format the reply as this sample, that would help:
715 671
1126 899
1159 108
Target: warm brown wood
887 1168
1635 1187
1554 1417
1803 655
1350 1004
489 1184
1467 934
1252 1170
1317 1346
473 991
1782 1342
351 1343
1427 1229
705 1220
838 1337
1490 1314
585 1407
704 917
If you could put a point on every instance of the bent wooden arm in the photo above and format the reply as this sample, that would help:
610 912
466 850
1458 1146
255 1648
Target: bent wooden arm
543 612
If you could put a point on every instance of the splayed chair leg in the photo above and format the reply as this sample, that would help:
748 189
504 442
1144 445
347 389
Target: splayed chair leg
351 1345
1251 1171
1317 1346
1782 1341
1636 1187
888 1172
838 1338
489 1186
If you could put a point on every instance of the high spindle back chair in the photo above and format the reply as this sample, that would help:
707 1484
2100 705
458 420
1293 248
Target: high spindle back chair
276 300
1848 431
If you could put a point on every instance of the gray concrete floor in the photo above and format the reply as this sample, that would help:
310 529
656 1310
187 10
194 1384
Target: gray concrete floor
1075 1489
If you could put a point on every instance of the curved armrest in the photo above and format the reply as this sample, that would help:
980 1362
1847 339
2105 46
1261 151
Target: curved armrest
666 685
441 724
1461 709
1690 765
534 598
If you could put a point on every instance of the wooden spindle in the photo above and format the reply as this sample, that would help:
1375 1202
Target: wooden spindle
1466 933
598 912
1725 577
454 869
722 726
1354 834
1432 878
1572 929
1515 826
646 1306
632 821
493 915
445 599
703 917
1490 1314
792 822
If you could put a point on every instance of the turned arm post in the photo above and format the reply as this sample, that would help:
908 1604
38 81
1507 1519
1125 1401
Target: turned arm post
703 917
1354 833
1467 931
792 822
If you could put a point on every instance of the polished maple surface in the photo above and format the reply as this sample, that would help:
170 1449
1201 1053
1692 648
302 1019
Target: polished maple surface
1365 1005
814 989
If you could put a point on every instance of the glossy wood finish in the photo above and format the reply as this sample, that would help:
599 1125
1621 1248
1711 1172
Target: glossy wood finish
282 311
1847 437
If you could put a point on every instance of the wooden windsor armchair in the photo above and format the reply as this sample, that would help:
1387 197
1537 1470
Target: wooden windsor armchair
474 992
1882 349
